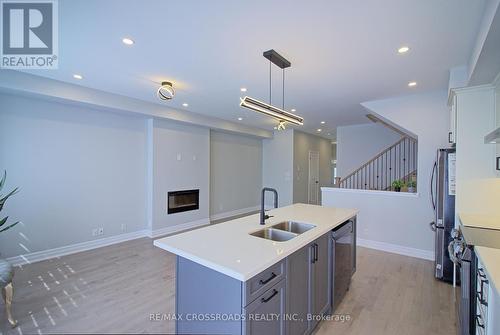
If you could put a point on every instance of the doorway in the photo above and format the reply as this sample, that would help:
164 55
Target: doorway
313 181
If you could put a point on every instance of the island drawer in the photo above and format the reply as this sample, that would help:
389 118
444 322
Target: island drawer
260 283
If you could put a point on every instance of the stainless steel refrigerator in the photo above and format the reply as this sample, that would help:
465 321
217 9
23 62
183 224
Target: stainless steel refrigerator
443 202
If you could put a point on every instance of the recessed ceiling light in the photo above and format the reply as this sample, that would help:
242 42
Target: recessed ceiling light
243 89
240 118
78 76
403 49
185 104
318 130
293 110
323 122
127 41
412 83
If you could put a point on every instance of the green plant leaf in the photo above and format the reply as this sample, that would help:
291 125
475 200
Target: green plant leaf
2 182
8 227
4 199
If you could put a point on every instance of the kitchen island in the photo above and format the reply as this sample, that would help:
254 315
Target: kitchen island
232 278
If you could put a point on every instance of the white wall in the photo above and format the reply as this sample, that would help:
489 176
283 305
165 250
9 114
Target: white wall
77 169
235 173
302 144
358 144
277 166
402 220
180 162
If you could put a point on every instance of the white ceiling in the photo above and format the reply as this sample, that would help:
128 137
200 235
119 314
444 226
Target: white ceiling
342 52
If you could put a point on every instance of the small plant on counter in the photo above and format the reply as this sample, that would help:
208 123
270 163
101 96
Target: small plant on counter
397 184
411 186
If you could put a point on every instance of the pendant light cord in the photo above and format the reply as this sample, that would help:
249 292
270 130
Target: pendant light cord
270 83
283 101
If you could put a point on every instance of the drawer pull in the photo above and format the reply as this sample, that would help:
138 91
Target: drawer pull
478 319
272 296
264 282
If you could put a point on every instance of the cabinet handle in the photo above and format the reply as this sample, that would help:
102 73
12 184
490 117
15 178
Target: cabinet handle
264 282
315 252
449 137
478 319
480 294
272 296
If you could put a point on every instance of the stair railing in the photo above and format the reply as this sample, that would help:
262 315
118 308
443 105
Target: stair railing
399 161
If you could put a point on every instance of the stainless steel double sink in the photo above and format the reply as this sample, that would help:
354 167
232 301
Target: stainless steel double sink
283 231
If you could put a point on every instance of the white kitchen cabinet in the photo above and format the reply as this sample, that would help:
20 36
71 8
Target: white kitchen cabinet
452 132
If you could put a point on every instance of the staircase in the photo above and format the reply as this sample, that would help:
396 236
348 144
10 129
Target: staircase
397 162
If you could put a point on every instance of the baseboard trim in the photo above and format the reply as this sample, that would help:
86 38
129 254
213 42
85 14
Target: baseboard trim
74 248
177 228
229 214
396 249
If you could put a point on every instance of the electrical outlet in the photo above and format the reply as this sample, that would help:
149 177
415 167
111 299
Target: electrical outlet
124 227
95 232
100 231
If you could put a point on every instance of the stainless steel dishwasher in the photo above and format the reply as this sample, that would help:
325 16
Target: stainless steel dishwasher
343 253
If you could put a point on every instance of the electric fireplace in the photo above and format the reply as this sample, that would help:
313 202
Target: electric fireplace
182 201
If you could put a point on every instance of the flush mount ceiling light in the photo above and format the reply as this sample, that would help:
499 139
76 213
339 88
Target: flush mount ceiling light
78 76
240 118
267 108
403 49
322 122
185 104
166 91
243 89
412 84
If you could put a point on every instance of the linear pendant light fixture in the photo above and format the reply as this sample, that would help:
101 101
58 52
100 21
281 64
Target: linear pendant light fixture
258 106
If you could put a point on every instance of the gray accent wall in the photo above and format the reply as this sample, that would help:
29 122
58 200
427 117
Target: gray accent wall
277 166
77 169
302 144
235 172
180 161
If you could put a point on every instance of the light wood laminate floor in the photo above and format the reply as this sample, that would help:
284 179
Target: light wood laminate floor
115 289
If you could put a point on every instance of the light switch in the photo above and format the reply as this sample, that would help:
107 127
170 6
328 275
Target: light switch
179 157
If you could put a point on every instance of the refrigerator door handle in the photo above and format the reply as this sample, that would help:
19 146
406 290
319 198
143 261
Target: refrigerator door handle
433 202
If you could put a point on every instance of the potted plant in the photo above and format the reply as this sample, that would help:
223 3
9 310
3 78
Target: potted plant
411 186
404 187
397 184
6 269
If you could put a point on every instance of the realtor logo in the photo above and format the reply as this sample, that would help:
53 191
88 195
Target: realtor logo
29 34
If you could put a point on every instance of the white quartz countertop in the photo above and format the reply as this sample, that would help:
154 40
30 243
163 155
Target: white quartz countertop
228 248
490 259
480 221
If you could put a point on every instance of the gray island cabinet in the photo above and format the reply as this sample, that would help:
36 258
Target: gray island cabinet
288 297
